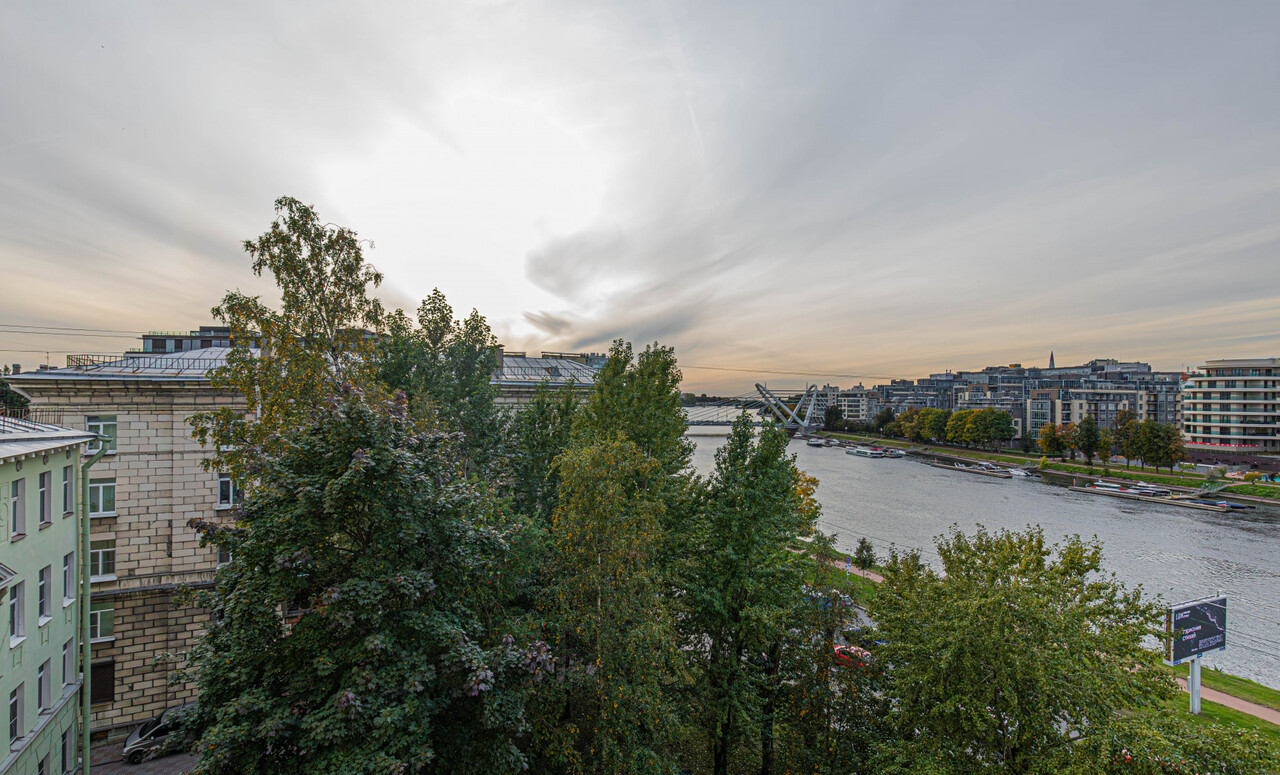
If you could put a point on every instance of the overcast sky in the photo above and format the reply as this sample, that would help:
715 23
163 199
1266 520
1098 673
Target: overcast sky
849 188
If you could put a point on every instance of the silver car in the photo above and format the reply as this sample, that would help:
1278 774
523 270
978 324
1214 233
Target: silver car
158 736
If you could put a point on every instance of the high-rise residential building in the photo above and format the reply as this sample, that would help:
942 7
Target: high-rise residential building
39 582
1233 406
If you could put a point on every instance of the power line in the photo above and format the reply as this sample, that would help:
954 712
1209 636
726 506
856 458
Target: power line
70 328
789 373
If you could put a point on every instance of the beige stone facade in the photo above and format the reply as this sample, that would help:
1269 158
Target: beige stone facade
159 484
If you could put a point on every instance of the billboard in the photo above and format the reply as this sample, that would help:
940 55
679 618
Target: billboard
1195 628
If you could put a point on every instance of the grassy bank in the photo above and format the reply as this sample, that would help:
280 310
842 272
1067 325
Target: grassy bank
1234 685
1213 713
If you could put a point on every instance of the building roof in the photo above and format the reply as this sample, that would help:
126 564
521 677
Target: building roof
520 370
24 438
188 365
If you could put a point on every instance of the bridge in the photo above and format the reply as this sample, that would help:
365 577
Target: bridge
762 403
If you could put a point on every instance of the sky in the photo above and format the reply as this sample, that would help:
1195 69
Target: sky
839 192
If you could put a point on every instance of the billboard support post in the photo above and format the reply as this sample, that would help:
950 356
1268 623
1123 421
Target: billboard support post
1193 684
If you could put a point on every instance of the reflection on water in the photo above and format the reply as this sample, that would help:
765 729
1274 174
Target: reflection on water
1177 553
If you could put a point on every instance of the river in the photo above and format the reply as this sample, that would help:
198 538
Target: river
1177 553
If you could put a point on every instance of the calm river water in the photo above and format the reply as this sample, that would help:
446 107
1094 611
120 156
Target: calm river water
1177 553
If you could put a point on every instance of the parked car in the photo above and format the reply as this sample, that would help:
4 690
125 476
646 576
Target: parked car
159 736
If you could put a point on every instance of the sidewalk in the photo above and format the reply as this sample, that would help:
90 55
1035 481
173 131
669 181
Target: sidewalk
1235 703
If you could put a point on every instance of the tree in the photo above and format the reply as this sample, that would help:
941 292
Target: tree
351 635
744 576
1105 444
1161 444
287 362
1012 652
1070 438
1122 418
832 417
539 432
1050 440
958 427
1000 427
1088 437
865 555
609 710
10 399
882 418
444 366
936 424
1128 438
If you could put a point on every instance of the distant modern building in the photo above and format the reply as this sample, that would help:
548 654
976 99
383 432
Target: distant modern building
39 580
1233 406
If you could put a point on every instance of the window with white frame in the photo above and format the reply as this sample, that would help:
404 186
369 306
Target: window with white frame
17 508
102 559
68 491
104 426
224 557
229 493
17 724
43 588
44 689
69 662
102 621
17 612
45 480
68 577
102 497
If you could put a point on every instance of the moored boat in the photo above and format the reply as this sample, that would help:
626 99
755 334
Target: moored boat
865 452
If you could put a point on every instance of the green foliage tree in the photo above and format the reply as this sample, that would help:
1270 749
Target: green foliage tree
1161 444
1129 439
639 398
935 426
832 418
1088 437
539 432
1169 742
288 361
958 427
999 426
743 578
444 366
1123 417
610 709
1001 661
882 418
865 555
10 399
350 635
1106 443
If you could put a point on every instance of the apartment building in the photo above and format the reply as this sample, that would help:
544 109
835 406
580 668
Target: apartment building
142 493
1234 406
39 580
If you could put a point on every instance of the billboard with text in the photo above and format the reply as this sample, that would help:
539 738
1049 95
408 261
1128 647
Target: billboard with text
1195 628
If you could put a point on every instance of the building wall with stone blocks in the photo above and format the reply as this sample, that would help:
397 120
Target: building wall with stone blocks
159 485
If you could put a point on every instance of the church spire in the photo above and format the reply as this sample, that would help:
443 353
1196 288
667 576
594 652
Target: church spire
1051 359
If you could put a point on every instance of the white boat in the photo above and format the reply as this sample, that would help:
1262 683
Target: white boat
865 452
892 452
1150 490
1018 472
815 442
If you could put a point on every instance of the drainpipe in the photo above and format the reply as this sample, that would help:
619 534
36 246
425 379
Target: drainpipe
86 650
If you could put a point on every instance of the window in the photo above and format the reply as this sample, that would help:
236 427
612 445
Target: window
68 491
17 508
102 559
44 697
45 481
229 493
69 662
17 727
42 766
101 621
17 623
69 761
42 592
102 497
224 557
68 577
104 426
103 678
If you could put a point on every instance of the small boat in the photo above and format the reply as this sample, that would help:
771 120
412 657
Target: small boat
865 452
1019 472
829 442
982 469
1150 490
815 442
1223 504
891 451
1108 487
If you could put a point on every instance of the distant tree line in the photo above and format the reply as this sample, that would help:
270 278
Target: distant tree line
1146 441
966 427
